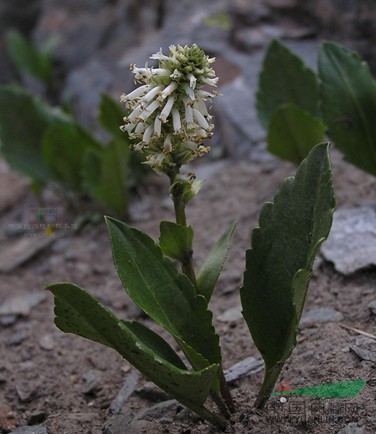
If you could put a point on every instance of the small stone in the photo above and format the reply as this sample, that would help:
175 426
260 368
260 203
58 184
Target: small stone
91 382
117 424
152 392
351 243
231 315
17 338
35 429
319 316
282 400
351 428
18 252
47 342
165 409
7 320
26 391
21 304
372 306
365 348
246 367
125 392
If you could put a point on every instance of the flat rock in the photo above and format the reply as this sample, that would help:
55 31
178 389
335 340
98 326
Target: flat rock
246 367
352 428
26 391
351 245
319 316
15 253
91 381
365 348
35 429
21 304
47 342
116 424
161 410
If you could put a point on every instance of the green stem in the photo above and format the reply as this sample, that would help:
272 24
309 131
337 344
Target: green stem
188 270
270 378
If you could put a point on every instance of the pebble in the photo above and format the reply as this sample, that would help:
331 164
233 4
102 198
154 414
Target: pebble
246 367
7 320
165 409
116 424
372 306
125 392
91 382
26 391
319 316
35 429
352 239
17 338
47 342
22 304
151 392
352 428
231 315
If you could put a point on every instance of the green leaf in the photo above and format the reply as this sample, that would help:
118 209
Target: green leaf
79 313
23 122
64 147
167 297
176 241
279 264
293 133
28 58
348 95
212 267
111 116
285 79
105 176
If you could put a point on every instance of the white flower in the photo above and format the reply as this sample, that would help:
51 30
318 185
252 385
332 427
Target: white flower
167 113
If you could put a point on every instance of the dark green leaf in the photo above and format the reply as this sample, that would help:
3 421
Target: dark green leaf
285 79
111 116
79 313
293 133
348 95
64 147
27 58
212 267
279 263
176 241
23 122
167 297
105 176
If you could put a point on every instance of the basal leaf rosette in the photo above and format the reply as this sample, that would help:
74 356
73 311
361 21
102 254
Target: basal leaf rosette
168 118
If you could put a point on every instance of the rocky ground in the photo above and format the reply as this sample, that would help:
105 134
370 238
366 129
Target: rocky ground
56 383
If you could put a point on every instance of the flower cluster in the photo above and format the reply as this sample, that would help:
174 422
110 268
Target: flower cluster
168 118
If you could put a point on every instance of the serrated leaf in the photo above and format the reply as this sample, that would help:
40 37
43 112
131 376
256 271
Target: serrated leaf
111 116
285 79
79 313
348 94
64 147
104 175
167 297
176 240
23 122
293 133
279 263
212 267
28 58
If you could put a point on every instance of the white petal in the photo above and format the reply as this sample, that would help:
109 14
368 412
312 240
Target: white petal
201 107
157 127
150 109
210 81
167 109
188 114
200 119
135 94
167 145
147 134
176 120
169 89
189 91
192 81
151 94
161 72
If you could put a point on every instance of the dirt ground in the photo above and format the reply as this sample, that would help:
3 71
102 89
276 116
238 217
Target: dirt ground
67 384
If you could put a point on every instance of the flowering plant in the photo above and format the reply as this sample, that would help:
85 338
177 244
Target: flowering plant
168 121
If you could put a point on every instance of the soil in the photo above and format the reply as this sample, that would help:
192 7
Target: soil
67 383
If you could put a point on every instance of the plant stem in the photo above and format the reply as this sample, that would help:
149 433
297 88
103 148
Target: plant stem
270 378
188 270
